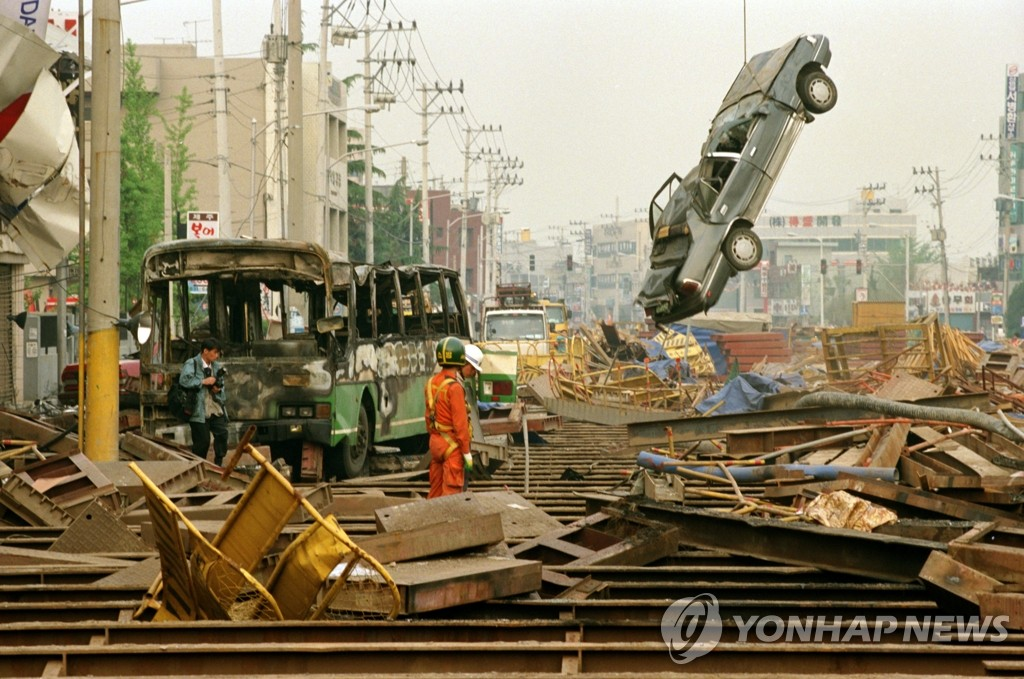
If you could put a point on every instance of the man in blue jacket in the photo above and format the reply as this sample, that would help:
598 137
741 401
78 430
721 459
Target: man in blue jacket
209 415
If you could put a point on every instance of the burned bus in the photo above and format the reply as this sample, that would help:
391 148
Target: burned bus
325 357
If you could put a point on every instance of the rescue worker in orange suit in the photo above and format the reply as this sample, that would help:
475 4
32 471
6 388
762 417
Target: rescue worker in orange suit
447 417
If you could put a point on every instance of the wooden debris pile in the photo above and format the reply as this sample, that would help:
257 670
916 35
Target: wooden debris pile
927 349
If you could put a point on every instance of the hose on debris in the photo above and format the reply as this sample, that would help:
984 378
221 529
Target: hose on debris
972 418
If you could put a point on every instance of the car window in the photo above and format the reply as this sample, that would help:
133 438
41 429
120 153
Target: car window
733 137
714 172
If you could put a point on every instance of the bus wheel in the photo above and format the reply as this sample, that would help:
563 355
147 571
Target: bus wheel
355 459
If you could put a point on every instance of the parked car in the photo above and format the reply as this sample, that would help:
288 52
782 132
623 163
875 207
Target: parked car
128 384
702 225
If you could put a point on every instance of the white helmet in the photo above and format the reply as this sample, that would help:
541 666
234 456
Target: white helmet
474 356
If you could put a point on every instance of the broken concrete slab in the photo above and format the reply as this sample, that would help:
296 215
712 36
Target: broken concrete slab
362 504
520 518
434 539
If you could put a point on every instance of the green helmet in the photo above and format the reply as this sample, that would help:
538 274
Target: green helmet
451 352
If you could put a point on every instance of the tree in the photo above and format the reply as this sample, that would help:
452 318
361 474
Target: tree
183 190
388 209
1014 312
141 177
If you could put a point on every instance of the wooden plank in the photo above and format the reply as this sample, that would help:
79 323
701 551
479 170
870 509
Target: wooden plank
955 577
906 387
887 454
852 457
978 464
823 456
1009 604
912 473
438 538
993 549
519 517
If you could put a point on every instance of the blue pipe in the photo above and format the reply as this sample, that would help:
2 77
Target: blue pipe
757 473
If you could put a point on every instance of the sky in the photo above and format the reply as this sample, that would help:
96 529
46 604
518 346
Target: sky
601 101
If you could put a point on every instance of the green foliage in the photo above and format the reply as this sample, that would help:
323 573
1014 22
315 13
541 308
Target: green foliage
1014 312
141 177
183 190
390 214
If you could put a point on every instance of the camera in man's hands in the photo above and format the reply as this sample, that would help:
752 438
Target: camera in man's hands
221 374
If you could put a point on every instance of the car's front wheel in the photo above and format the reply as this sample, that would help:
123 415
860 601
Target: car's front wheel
817 91
742 249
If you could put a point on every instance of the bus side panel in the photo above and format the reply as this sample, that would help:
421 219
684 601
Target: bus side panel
399 370
348 396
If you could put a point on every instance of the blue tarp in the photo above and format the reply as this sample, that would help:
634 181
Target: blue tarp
989 346
745 394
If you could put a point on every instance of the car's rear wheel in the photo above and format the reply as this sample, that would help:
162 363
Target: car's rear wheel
742 249
817 91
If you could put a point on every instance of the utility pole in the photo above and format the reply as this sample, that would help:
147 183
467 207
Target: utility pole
100 444
296 227
323 82
471 135
275 52
370 97
939 232
425 124
867 201
495 188
220 96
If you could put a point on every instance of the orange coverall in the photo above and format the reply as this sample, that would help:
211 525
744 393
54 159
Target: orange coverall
448 425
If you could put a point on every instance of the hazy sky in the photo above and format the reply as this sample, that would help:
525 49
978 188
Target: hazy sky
602 100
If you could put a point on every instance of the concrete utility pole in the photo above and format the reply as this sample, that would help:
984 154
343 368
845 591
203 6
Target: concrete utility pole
296 227
220 97
867 201
368 146
471 135
496 186
323 82
938 233
425 124
100 444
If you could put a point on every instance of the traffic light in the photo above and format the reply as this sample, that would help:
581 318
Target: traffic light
860 266
824 266
533 263
568 262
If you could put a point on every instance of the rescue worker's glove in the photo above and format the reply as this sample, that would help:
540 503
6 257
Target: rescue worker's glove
467 462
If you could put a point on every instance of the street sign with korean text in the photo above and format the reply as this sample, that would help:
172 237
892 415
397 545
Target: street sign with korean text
203 225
